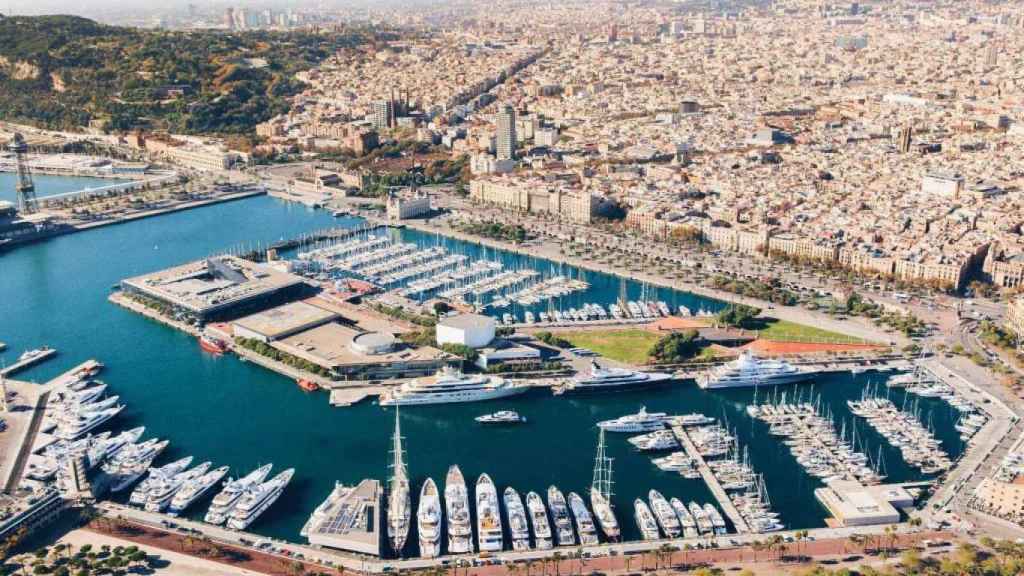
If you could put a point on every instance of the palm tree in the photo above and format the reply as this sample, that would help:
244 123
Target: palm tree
556 559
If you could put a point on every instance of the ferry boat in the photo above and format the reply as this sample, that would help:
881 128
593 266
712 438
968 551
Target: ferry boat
502 417
539 521
748 370
642 421
195 489
450 385
612 379
488 516
257 499
664 514
645 520
212 344
517 523
564 534
224 502
456 500
428 520
584 521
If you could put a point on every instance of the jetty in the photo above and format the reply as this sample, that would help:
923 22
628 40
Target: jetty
712 481
43 355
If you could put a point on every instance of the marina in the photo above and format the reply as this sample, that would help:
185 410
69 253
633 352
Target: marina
199 396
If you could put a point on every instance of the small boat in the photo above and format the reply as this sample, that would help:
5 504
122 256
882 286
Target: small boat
502 417
212 344
307 385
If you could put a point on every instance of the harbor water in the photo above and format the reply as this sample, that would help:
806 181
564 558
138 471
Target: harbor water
47 185
230 412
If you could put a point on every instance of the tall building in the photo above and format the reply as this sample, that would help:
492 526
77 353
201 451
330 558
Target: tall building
505 141
991 55
383 114
229 18
906 133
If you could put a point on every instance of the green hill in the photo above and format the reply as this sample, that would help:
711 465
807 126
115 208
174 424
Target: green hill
62 72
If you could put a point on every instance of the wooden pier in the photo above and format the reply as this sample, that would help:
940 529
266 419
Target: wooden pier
712 481
28 362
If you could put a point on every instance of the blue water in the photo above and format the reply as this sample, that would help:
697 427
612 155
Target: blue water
52 185
234 413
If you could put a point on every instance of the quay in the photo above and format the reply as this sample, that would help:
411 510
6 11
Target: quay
20 365
260 254
26 422
712 481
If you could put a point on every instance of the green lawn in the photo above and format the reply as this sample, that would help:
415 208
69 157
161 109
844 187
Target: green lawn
784 330
630 346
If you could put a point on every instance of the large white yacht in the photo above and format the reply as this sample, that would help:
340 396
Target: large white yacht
488 517
642 421
608 379
749 370
224 502
539 521
428 520
257 499
450 385
456 500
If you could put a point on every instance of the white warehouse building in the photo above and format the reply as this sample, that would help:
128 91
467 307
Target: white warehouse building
471 330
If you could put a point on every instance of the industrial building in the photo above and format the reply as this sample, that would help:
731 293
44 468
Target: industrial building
473 330
282 321
852 504
216 288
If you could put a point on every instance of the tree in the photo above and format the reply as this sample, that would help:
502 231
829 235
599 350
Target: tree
737 315
676 347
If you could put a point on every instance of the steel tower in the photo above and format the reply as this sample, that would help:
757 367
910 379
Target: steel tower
25 188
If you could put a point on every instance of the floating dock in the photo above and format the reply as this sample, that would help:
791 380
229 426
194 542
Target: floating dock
28 362
712 481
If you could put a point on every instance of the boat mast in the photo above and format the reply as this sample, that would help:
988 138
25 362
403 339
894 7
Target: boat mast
602 480
398 472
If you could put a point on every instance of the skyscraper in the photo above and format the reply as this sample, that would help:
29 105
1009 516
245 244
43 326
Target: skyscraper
505 144
383 114
905 135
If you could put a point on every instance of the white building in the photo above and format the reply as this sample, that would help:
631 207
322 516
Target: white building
471 330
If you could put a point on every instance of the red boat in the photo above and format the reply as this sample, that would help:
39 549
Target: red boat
307 385
212 345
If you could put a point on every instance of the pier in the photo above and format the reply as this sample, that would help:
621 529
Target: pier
28 362
712 481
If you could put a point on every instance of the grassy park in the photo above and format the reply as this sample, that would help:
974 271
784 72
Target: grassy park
630 346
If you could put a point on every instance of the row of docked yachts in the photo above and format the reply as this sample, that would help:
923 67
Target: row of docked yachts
529 524
175 487
675 519
80 408
904 431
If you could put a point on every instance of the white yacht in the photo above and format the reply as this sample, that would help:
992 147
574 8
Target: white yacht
161 492
686 520
501 417
517 524
450 385
749 370
456 500
642 421
224 502
645 520
132 462
665 515
610 379
81 424
604 514
257 499
488 515
156 477
539 521
428 520
655 441
584 520
193 490
399 494
560 514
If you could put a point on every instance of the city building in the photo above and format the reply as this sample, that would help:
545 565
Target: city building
406 204
473 330
505 144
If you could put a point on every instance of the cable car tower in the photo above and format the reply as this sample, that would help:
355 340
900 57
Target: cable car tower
25 188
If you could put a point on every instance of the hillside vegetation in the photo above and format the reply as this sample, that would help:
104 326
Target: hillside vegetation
61 72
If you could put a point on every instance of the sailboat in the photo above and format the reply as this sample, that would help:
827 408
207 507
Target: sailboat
399 503
601 491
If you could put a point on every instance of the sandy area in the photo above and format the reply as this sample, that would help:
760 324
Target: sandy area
180 564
